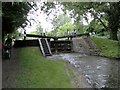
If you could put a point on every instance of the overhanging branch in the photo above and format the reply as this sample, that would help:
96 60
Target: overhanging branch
95 15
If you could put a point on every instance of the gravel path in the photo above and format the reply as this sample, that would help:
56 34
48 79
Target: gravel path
9 70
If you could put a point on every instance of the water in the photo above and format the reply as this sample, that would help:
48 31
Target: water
98 71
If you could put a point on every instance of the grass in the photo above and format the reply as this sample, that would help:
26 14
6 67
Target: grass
39 72
108 48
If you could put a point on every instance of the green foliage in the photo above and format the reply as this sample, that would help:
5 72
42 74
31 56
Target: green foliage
60 20
51 33
14 15
109 48
61 24
96 26
66 29
81 28
114 19
62 30
98 10
39 72
33 32
39 29
15 34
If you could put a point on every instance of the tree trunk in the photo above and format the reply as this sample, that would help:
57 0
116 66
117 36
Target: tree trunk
113 20
113 35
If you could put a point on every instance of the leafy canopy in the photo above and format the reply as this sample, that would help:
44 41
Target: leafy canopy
14 15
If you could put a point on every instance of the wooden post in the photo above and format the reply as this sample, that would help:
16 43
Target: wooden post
56 46
71 37
44 34
24 34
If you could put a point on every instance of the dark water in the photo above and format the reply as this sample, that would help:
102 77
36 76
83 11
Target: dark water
98 71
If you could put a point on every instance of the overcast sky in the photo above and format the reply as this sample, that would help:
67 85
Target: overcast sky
40 16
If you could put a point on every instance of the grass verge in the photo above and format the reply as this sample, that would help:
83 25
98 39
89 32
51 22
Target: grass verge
39 72
108 48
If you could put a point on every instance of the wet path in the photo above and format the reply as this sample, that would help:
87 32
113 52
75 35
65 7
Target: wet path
10 69
98 71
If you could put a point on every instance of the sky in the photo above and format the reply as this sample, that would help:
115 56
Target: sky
40 18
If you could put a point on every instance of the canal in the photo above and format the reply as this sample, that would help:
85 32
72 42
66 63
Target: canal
100 72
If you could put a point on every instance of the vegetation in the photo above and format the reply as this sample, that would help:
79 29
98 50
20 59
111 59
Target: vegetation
98 10
60 20
14 15
39 29
39 72
61 24
108 48
64 29
105 22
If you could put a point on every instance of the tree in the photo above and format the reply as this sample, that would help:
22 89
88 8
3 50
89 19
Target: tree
114 19
62 19
64 29
80 27
39 29
14 15
98 10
